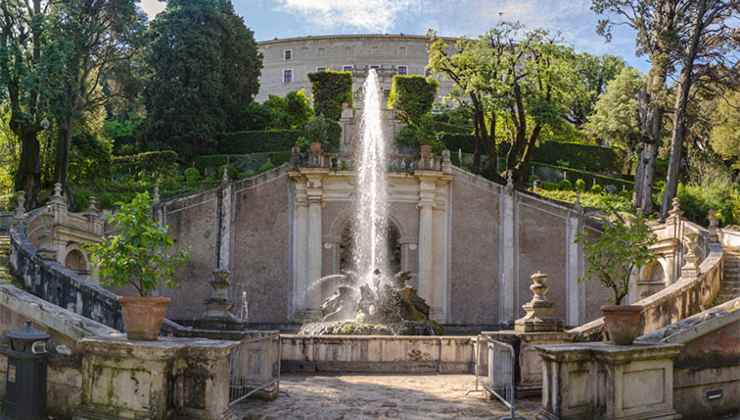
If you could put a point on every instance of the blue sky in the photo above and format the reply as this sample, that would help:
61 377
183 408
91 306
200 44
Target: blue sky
287 18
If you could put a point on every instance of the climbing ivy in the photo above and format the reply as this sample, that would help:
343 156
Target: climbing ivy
330 90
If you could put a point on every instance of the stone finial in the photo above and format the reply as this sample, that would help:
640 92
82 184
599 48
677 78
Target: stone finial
691 258
225 175
675 212
93 205
577 205
539 310
20 208
218 305
155 196
58 189
713 226
510 183
58 199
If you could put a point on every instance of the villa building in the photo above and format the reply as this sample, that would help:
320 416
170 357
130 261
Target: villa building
288 62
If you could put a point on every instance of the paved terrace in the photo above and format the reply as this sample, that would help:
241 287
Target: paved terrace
364 397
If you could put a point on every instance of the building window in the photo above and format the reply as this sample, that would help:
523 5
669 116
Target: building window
288 55
320 69
347 67
402 51
374 50
287 76
322 52
375 66
403 69
348 51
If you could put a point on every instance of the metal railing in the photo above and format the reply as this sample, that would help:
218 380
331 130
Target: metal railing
501 375
255 367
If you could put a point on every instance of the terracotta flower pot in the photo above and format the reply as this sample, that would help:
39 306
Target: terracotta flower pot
143 316
316 147
426 151
623 322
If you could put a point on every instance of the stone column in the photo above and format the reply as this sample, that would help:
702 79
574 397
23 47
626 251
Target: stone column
315 245
575 294
427 190
507 263
300 247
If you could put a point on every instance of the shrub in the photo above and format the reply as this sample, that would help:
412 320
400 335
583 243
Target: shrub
412 96
580 185
192 176
139 254
330 90
267 166
564 184
597 189
245 142
238 164
719 195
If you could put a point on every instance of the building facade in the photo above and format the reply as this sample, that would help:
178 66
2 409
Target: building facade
288 62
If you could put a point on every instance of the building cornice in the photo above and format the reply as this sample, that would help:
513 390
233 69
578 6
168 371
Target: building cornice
345 37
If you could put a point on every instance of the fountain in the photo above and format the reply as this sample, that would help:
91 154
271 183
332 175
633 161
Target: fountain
368 300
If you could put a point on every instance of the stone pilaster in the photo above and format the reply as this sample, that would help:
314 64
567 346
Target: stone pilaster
508 253
300 247
575 293
224 246
314 194
427 191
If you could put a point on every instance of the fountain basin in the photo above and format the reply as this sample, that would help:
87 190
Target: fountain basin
378 354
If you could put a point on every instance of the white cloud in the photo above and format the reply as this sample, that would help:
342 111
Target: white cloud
152 7
370 15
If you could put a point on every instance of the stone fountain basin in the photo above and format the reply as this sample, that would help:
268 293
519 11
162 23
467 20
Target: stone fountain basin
378 353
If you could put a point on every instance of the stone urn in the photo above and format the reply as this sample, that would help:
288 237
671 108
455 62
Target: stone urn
315 148
426 151
623 322
143 316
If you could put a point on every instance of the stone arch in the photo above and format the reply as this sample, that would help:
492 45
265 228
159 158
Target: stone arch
75 259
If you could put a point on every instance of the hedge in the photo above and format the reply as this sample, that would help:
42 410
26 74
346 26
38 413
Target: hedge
157 161
412 96
209 164
330 90
257 141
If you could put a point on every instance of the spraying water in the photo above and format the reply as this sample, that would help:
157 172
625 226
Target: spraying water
371 210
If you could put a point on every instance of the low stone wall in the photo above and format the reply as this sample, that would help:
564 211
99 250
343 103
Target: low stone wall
378 354
55 283
707 370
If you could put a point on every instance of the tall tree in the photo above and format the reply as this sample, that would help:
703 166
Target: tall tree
657 23
96 36
29 68
593 74
204 70
710 42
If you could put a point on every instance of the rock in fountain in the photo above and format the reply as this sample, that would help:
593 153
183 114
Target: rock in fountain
367 300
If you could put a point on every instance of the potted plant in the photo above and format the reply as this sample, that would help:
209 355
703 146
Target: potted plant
139 255
622 248
322 134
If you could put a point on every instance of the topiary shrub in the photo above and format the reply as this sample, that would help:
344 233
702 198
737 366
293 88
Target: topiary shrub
580 185
330 90
163 161
565 185
597 189
412 96
192 176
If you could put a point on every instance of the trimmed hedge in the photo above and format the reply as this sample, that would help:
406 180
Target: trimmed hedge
412 96
212 164
162 160
257 141
330 90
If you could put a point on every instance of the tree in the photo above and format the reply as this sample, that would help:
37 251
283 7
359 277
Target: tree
724 137
204 71
656 23
593 75
94 35
616 116
710 40
29 69
290 112
622 247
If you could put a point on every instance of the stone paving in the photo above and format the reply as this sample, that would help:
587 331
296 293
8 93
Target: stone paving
362 397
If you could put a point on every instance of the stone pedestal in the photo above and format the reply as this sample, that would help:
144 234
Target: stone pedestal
218 306
604 381
539 310
528 372
124 379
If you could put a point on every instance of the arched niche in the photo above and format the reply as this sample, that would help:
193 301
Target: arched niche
346 247
76 260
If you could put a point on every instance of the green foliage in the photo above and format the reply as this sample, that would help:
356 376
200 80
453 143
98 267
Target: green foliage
412 96
717 194
242 163
140 253
597 189
204 71
192 176
267 166
622 246
330 90
245 142
160 162
419 132
123 133
291 112
90 158
580 185
584 157
565 185
325 131
725 134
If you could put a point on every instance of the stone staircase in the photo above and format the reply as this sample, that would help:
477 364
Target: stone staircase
730 288
5 276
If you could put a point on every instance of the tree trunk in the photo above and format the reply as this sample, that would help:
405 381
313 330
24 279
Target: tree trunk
682 100
28 176
64 143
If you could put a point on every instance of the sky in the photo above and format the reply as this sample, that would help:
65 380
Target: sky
573 19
